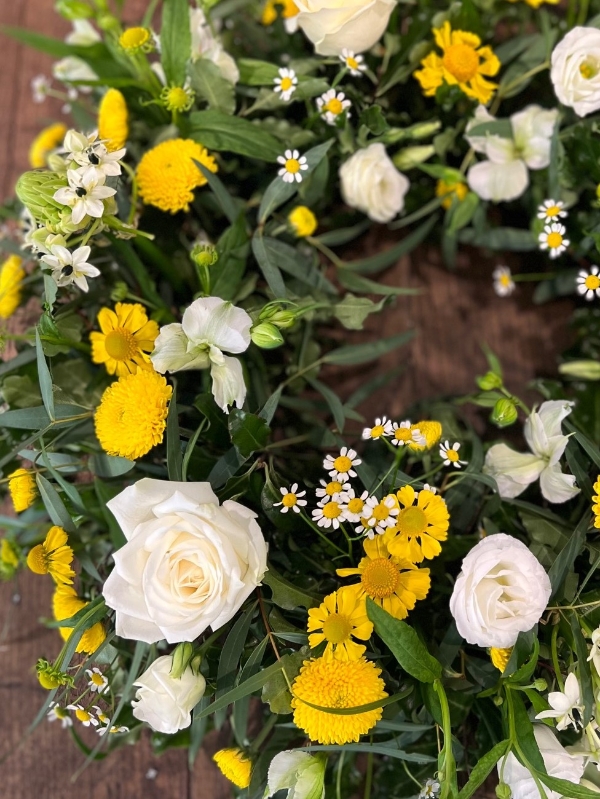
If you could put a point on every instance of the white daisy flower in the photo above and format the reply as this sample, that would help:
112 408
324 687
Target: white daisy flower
450 455
84 194
112 730
330 512
430 790
353 506
97 681
382 427
40 86
553 239
84 716
58 713
329 489
293 166
286 83
427 487
101 715
70 267
340 468
355 64
332 104
551 210
504 285
589 283
404 433
380 514
291 499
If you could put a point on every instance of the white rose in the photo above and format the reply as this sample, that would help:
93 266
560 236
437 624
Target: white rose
188 563
501 591
559 763
575 70
164 702
371 183
334 25
206 45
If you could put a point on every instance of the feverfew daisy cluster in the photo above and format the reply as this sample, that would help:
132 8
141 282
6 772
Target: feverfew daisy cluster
553 237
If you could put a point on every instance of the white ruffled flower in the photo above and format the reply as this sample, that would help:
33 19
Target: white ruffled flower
70 267
286 83
165 702
335 25
565 706
332 105
504 285
73 68
588 283
575 70
83 34
85 193
371 183
210 326
302 774
514 471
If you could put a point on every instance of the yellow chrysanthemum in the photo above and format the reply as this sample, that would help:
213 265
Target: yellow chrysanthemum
289 9
167 174
131 417
234 765
11 278
395 584
464 63
340 617
54 557
500 657
303 221
449 190
431 430
422 523
336 684
113 120
44 143
8 554
596 505
22 488
66 603
134 40
126 338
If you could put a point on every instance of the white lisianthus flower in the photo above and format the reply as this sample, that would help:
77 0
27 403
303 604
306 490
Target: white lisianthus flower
206 45
73 68
188 564
565 706
575 70
514 471
559 763
209 326
504 175
371 183
165 702
335 25
302 774
501 591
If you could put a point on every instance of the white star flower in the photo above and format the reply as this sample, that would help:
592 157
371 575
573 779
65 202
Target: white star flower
70 267
84 194
566 707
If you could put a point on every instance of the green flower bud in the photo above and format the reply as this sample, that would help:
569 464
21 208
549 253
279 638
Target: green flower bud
489 381
107 22
498 700
283 319
540 684
504 413
36 191
73 9
266 336
503 791
50 676
204 255
422 130
181 659
413 156
120 292
56 163
584 370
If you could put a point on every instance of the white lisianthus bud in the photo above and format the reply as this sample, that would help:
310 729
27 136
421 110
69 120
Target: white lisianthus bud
371 183
166 702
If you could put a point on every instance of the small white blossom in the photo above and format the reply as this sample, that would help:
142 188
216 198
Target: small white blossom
70 267
566 707
450 455
87 151
340 468
84 716
97 681
291 499
40 86
504 285
84 194
382 427
355 64
58 713
353 505
552 210
430 789
286 83
332 105
73 68
379 514
553 239
329 512
588 283
293 166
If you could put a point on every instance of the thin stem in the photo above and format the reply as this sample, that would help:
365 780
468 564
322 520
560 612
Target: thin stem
369 777
338 776
554 652
324 249
321 534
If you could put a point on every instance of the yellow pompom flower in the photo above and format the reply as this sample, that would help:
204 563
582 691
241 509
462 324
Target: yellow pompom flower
340 617
449 190
336 684
431 430
126 339
54 557
131 417
464 63
289 9
395 584
44 143
12 274
500 657
66 603
22 488
596 505
113 120
422 523
234 765
302 221
135 40
167 174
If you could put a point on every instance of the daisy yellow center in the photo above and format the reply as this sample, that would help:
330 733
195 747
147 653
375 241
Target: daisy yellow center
356 505
342 464
333 488
504 281
37 560
553 210
352 62
331 510
452 455
133 38
82 715
337 628
97 679
592 282
289 500
380 578
286 83
589 69
377 431
461 61
334 106
292 165
412 521
554 240
403 434
103 718
120 344
381 512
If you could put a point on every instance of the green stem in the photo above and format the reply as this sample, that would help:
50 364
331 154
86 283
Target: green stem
324 249
446 763
369 777
554 652
338 776
263 734
321 534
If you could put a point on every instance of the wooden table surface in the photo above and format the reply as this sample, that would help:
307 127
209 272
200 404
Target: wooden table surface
455 313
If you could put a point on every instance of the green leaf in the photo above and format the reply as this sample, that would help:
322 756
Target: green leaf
286 595
248 432
583 669
374 749
356 282
276 691
224 133
245 688
332 399
227 465
104 465
256 73
461 213
269 269
127 257
355 354
228 205
54 504
404 644
352 311
342 235
500 238
524 673
566 558
233 250
498 127
231 653
566 788
241 708
38 419
268 410
376 263
210 85
174 454
524 729
175 40
289 260
44 377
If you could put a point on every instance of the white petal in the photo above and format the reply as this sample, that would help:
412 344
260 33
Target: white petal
513 471
498 182
557 487
228 385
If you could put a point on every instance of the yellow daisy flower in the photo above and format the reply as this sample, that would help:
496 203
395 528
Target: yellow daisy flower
464 63
234 765
131 417
336 684
449 190
422 523
54 557
289 9
395 584
126 338
596 505
302 221
113 120
167 174
12 274
430 430
22 489
500 657
66 603
44 143
340 617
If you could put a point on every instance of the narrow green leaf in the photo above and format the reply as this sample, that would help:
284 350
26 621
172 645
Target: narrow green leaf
374 749
289 260
483 768
232 134
174 456
54 505
376 263
287 595
227 465
44 377
355 354
566 788
524 729
332 399
224 198
22 359
231 653
241 708
269 269
356 282
249 686
268 410
175 40
104 465
566 557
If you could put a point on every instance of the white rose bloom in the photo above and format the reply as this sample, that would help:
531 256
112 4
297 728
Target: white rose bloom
501 591
209 326
559 763
575 70
371 183
166 703
300 773
514 471
333 25
206 45
188 563
73 68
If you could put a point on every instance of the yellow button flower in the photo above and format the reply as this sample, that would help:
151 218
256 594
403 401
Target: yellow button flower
134 40
66 603
234 765
288 8
126 339
22 488
464 63
340 617
596 505
54 557
430 430
44 143
12 274
450 190
8 554
500 657
113 120
422 523
303 221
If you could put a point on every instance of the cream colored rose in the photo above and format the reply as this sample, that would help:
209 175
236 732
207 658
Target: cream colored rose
188 563
575 70
165 702
335 25
371 183
501 591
